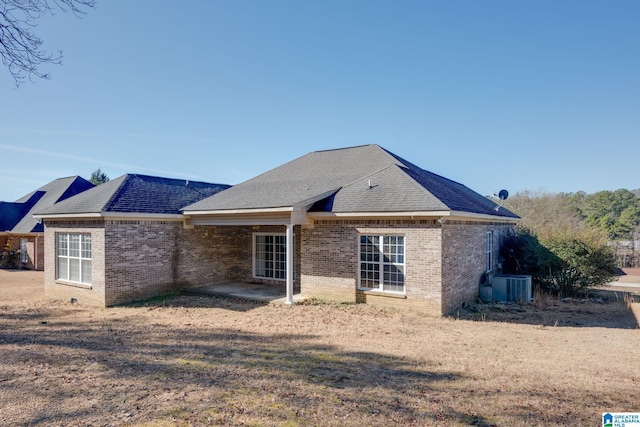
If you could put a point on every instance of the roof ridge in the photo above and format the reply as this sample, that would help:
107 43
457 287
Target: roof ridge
165 178
368 175
116 192
344 148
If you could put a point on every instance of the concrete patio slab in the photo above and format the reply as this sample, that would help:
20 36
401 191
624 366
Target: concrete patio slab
250 291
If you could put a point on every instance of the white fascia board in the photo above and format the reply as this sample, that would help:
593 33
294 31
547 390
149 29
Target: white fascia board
68 216
240 211
430 214
255 218
448 215
469 216
231 221
121 216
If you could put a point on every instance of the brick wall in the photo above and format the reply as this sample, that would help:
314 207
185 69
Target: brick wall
444 264
84 294
35 249
464 260
215 254
139 259
330 262
135 260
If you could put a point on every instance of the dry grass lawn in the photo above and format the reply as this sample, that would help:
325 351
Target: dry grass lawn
192 360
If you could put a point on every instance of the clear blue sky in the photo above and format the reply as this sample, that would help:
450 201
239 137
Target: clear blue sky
537 95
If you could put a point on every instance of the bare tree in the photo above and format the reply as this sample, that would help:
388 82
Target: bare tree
20 47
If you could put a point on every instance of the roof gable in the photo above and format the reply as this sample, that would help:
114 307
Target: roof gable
387 190
44 197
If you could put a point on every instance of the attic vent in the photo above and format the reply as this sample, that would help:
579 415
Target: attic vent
516 288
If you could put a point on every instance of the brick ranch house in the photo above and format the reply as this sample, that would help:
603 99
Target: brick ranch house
20 231
357 224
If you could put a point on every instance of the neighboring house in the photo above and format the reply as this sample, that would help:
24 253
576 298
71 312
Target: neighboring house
356 224
23 234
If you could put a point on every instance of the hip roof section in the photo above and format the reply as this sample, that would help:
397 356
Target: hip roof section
140 194
357 179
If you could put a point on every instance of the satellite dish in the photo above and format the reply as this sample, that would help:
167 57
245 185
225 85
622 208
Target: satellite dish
502 195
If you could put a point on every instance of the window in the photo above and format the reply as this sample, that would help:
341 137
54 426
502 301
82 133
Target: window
270 256
74 257
24 250
489 251
382 263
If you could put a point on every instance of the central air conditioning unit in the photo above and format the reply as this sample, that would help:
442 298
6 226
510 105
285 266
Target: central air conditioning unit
511 288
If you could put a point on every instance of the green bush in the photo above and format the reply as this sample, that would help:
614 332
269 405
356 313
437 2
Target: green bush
562 264
9 259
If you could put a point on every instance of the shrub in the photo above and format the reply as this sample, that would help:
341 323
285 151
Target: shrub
9 259
561 264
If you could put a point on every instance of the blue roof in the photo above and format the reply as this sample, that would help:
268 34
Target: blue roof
17 217
132 193
150 194
10 214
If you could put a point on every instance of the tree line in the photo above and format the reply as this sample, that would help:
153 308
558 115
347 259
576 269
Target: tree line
571 242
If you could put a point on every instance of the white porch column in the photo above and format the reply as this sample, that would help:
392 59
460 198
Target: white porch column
290 251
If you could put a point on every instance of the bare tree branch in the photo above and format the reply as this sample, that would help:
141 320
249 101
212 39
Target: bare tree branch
20 47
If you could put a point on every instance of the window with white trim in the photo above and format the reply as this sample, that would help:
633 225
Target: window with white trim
24 251
73 254
489 266
382 264
270 256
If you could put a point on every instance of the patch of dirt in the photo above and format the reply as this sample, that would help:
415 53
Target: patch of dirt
21 285
192 361
630 275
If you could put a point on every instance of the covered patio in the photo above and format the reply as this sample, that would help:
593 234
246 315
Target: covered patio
260 290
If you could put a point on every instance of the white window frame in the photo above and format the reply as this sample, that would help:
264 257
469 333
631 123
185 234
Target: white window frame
73 264
377 267
489 251
24 250
273 258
